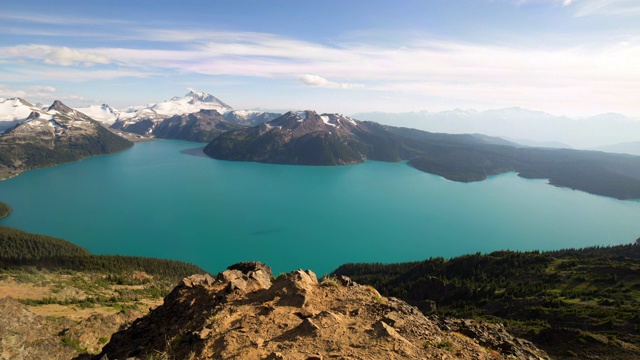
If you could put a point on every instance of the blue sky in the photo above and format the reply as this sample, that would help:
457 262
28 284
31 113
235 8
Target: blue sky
567 57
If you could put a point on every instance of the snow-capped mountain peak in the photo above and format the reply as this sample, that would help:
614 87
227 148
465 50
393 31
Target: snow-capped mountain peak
57 120
144 119
192 102
205 98
102 113
15 109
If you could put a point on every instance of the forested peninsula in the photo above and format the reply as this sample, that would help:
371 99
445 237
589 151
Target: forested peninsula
5 210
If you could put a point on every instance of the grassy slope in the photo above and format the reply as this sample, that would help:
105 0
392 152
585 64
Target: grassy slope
82 298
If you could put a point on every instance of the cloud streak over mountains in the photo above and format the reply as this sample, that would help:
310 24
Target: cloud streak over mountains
563 74
480 72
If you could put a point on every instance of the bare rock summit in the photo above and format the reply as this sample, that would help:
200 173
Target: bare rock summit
244 313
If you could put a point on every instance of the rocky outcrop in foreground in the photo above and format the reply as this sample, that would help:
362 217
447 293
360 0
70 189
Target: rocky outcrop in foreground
244 313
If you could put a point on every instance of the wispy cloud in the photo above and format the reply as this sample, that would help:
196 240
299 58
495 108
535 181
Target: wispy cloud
627 8
43 18
478 72
623 8
53 55
40 92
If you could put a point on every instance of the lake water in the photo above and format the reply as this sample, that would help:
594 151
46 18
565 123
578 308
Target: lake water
153 200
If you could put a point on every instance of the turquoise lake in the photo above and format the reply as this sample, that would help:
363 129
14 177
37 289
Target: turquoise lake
154 200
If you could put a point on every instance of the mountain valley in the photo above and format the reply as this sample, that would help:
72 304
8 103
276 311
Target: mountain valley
331 139
302 137
100 303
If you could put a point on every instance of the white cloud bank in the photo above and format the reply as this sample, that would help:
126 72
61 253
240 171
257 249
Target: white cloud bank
40 92
319 81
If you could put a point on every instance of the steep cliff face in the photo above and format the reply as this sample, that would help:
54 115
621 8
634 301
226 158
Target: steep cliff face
244 313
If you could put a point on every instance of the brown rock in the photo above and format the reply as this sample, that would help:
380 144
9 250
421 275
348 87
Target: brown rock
197 280
275 356
308 327
295 318
346 281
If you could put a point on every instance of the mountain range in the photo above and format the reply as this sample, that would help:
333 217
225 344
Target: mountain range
61 134
309 138
331 139
160 119
605 132
531 128
53 136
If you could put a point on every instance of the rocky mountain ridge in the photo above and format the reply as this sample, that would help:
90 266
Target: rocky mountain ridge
302 137
244 313
308 138
59 134
203 111
144 119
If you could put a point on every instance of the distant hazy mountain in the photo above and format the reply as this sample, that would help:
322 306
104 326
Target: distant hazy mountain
530 127
54 136
632 148
541 144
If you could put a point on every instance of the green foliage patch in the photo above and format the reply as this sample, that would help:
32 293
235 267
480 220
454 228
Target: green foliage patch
19 249
595 291
4 210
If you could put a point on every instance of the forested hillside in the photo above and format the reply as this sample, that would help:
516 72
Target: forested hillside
20 249
4 210
584 302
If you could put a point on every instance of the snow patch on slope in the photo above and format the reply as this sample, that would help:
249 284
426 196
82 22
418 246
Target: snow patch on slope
102 113
327 120
302 115
15 109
